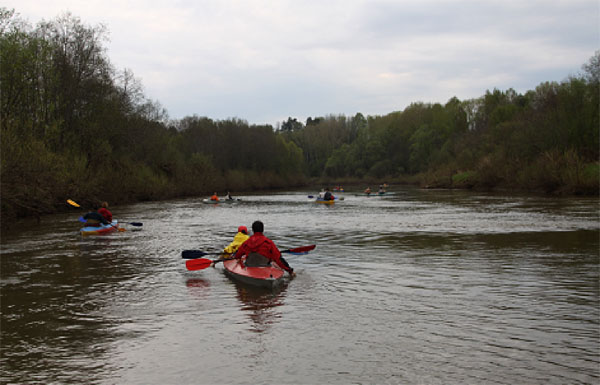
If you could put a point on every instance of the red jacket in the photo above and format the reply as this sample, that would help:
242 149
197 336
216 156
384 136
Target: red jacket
105 213
262 245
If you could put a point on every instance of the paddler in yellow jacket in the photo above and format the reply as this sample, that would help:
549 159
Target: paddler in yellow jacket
239 238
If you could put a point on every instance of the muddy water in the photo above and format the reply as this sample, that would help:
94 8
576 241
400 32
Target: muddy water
412 287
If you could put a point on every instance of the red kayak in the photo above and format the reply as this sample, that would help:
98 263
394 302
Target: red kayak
264 276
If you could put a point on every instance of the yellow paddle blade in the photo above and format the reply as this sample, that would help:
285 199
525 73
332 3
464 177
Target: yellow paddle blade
72 203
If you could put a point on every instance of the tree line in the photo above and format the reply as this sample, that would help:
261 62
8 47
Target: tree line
74 126
546 140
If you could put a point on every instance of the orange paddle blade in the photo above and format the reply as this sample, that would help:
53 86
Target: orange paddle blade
73 203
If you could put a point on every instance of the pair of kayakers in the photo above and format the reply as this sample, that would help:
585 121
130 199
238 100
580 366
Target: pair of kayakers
326 195
215 197
256 247
102 216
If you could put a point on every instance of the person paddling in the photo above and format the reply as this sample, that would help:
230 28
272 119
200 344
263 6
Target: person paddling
241 237
95 218
214 197
261 250
104 212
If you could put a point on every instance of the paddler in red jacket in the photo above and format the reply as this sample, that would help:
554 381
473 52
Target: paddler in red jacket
262 245
99 217
105 213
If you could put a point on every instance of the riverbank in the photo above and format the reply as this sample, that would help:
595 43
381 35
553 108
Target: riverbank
29 200
562 182
585 184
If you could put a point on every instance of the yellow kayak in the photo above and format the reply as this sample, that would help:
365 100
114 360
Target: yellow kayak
323 201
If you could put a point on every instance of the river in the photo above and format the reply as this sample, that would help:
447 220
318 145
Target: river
413 287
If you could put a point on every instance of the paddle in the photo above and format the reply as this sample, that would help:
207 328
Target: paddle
202 263
75 204
193 254
199 264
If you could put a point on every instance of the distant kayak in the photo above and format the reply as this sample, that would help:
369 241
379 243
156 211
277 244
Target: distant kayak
208 201
265 276
318 199
100 230
373 194
323 201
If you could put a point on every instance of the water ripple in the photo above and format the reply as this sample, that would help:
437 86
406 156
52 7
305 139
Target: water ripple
436 287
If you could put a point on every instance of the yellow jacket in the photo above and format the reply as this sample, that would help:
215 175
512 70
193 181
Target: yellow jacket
236 243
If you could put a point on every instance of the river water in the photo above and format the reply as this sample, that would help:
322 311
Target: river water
413 287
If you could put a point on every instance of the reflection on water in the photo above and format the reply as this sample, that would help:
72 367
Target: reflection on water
413 287
261 304
199 288
200 283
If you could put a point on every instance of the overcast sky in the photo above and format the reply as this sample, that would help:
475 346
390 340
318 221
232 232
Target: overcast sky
264 61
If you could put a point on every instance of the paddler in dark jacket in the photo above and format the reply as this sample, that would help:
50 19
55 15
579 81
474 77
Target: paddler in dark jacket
259 244
95 219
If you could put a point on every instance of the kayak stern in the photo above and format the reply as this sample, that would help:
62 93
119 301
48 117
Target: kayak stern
268 276
100 230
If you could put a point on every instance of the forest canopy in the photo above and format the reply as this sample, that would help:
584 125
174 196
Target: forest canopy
74 126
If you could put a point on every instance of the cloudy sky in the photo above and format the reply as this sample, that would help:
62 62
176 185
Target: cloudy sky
264 61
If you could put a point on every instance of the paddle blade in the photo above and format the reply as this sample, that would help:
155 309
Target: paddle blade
73 203
300 250
135 223
192 254
198 264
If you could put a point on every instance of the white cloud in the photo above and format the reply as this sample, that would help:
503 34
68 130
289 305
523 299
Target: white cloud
263 61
